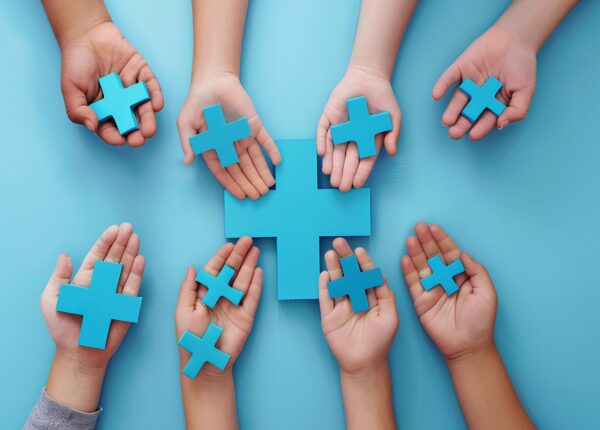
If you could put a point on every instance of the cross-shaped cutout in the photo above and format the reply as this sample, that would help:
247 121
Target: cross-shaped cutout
361 127
99 304
118 102
355 283
221 135
218 286
482 98
298 213
203 350
443 275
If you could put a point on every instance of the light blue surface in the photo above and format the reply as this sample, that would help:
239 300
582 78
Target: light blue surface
298 213
525 202
118 102
355 283
99 304
361 127
481 98
220 136
218 286
203 350
442 275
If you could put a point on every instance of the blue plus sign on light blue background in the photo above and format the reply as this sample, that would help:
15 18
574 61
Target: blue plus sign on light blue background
355 283
99 304
361 127
297 213
218 286
118 102
220 136
481 98
203 350
442 275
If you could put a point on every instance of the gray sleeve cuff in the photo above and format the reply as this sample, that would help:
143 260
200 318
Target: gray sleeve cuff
48 414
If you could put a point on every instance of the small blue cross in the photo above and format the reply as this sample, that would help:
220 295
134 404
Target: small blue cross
99 304
355 283
219 287
443 275
221 135
297 213
361 127
118 102
482 98
203 350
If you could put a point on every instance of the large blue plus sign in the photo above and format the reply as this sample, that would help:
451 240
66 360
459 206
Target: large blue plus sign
355 283
99 304
297 213
361 127
118 102
482 98
220 136
203 350
443 275
219 287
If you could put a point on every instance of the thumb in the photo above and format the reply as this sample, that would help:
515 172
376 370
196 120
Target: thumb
77 108
61 275
517 109
390 141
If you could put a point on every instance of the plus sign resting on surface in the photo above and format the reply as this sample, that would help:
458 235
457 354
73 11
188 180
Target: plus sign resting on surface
99 304
118 102
219 287
482 98
442 275
297 213
203 350
220 136
361 127
355 283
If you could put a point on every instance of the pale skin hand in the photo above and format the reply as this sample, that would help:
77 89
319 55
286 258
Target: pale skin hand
218 33
508 51
360 343
462 327
77 372
209 399
92 46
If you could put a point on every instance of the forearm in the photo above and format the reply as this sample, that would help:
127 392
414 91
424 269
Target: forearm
380 30
533 21
218 33
70 19
368 399
486 394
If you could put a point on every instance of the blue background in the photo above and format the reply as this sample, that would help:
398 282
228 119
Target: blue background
525 202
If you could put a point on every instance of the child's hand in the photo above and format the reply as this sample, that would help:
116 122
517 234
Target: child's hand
460 324
342 161
94 53
236 321
250 177
498 53
359 341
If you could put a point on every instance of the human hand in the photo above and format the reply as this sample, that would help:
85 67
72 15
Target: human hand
361 341
235 320
341 161
463 323
500 53
250 177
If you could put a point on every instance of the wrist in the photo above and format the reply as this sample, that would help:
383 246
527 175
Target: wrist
70 20
365 375
207 73
473 358
368 70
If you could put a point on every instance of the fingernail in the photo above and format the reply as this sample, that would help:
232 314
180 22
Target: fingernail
88 125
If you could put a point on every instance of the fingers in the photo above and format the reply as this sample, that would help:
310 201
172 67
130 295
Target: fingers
350 167
365 263
98 251
449 250
428 243
115 253
252 298
134 280
418 256
390 141
328 157
61 275
458 130
269 144
239 252
450 76
146 75
339 154
386 299
322 130
411 276
452 113
216 263
326 303
185 131
485 124
147 121
223 176
518 107
188 292
245 274
249 170
77 107
108 132
365 166
242 181
261 165
342 247
131 251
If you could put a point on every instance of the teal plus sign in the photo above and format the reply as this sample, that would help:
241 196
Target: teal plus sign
99 304
443 275
219 287
203 350
355 283
482 98
221 135
118 102
297 213
361 127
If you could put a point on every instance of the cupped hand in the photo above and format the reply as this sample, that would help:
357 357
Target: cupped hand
359 341
118 244
250 177
341 161
498 53
460 324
